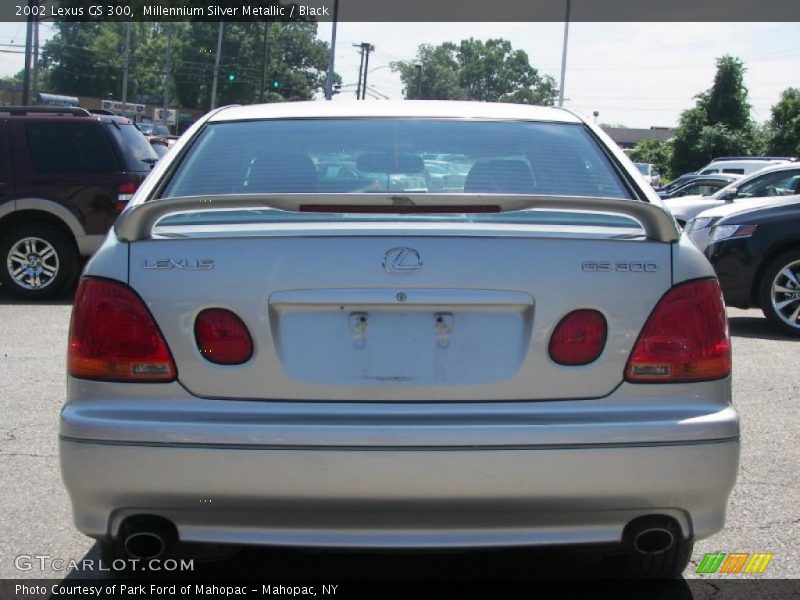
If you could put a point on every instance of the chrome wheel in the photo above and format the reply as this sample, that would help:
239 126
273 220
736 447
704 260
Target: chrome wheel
785 294
32 263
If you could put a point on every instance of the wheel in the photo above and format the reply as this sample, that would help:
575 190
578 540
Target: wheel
38 261
642 562
779 292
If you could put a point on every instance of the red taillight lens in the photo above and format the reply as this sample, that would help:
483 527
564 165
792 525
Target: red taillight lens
125 192
222 338
579 338
686 337
113 337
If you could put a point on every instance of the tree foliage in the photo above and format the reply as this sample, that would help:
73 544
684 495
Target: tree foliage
783 129
726 102
489 71
656 153
719 124
86 59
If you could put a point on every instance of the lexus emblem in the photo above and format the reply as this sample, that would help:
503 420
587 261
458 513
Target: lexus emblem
402 261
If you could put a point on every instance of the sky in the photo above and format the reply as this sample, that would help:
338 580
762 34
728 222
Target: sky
633 74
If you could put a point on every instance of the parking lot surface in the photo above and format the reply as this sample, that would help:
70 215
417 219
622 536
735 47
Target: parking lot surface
763 515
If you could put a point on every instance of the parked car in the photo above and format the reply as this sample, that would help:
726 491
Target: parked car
160 146
650 173
155 132
699 228
72 173
699 185
445 176
777 180
680 180
154 129
756 254
340 176
542 358
742 165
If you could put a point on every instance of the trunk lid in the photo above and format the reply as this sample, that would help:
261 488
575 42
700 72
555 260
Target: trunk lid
411 312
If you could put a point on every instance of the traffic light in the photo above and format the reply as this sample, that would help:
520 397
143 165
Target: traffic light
275 84
231 76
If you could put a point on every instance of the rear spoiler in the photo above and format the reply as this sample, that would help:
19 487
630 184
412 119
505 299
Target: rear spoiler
137 221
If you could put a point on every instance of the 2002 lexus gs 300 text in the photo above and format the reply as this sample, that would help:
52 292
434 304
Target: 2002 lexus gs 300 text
410 324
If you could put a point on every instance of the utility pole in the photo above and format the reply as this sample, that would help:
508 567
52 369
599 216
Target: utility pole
367 48
329 80
216 67
167 72
26 79
126 57
264 61
35 65
360 71
418 67
564 58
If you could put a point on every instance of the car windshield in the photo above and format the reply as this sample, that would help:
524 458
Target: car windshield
396 155
777 183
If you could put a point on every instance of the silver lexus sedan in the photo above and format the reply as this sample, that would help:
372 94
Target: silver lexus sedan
264 354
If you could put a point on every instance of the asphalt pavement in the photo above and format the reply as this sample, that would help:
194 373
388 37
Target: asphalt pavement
763 515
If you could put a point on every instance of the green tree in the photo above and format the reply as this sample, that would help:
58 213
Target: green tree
439 73
686 154
489 71
726 102
719 123
783 129
85 59
656 153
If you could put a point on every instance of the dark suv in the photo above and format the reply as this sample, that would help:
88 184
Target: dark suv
65 175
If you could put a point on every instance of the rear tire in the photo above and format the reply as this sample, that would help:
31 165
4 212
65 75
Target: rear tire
779 292
37 261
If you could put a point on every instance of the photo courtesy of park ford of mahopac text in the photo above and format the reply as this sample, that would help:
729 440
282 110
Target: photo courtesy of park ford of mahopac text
372 299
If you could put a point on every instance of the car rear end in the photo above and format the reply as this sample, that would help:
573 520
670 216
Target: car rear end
540 359
135 155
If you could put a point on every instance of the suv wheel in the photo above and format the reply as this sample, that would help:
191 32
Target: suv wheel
779 293
38 261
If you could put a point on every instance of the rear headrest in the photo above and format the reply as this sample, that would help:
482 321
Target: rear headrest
286 172
504 176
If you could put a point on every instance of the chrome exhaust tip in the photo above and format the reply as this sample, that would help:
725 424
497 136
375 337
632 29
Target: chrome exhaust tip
654 540
144 545
147 538
653 534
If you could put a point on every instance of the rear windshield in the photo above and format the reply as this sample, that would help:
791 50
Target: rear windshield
396 155
137 153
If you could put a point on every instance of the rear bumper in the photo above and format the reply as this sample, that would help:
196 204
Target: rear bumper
399 475
399 498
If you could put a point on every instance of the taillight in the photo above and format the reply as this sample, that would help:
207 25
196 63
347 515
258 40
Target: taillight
685 339
222 337
579 338
113 336
125 192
